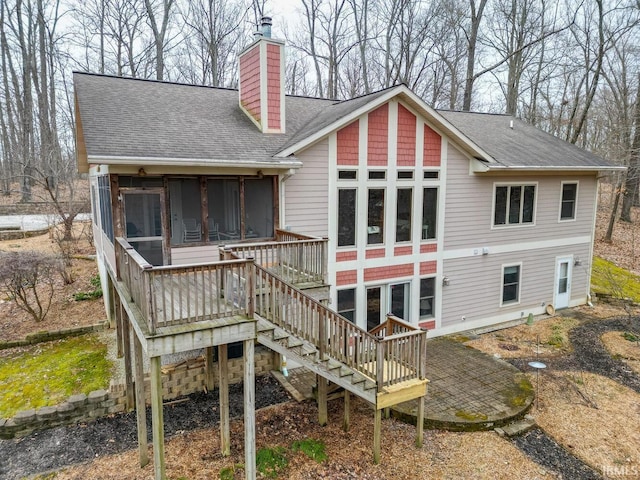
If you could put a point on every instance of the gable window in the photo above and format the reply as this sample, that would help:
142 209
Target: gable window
568 201
375 216
514 204
510 284
403 215
429 213
427 296
347 303
346 217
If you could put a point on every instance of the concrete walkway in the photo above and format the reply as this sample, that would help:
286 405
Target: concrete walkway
468 389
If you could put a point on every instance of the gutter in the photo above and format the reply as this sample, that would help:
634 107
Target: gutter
285 163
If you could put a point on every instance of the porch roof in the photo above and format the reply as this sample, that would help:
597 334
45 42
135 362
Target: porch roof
144 122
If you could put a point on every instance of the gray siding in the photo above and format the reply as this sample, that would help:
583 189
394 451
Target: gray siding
469 202
200 254
306 192
476 283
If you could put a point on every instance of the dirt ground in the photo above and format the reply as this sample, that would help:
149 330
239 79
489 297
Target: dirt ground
65 312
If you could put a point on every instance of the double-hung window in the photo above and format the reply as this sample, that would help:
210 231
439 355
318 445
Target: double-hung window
514 204
510 284
427 297
568 201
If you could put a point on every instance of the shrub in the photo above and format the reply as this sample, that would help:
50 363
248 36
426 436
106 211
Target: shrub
28 278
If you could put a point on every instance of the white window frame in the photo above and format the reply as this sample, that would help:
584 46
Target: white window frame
433 304
510 303
520 224
575 201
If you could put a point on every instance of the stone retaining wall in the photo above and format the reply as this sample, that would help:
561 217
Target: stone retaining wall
47 336
178 380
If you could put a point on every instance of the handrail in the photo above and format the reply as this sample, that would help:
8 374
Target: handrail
288 235
391 326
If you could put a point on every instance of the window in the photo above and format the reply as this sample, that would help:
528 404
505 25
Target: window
106 214
374 308
427 296
258 208
514 204
429 175
568 202
403 215
511 284
375 216
405 175
347 174
186 211
377 175
346 217
400 300
347 303
429 213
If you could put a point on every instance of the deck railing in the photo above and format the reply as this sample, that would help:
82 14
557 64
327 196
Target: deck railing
296 260
388 360
174 295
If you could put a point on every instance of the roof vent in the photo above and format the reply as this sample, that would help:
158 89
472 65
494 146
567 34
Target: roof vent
266 23
511 124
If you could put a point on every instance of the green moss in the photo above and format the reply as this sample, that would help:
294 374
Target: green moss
632 337
314 449
270 461
95 293
609 279
471 416
47 373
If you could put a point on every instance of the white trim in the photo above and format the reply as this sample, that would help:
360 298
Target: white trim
520 276
264 91
520 224
569 260
283 109
289 162
575 201
555 168
520 247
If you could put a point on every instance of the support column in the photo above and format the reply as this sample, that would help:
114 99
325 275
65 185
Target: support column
223 391
128 368
141 413
249 411
117 306
157 421
208 363
346 421
377 431
322 399
420 423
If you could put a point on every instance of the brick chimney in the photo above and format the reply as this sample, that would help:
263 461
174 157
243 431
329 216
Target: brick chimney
262 81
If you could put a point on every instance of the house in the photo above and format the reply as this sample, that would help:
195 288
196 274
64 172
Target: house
220 215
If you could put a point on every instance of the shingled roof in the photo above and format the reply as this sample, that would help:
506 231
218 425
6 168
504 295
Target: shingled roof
514 144
126 120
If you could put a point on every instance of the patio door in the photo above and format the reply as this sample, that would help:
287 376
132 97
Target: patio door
144 220
563 282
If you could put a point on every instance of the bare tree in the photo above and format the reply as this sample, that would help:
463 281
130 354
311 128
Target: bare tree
159 28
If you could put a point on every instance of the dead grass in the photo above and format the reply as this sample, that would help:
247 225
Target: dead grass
65 312
445 455
603 437
619 347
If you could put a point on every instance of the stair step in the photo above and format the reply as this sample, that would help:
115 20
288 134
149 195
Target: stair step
293 342
357 378
308 350
333 365
345 372
281 335
265 327
369 385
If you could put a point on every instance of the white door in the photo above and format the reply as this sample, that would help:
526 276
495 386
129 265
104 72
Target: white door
563 282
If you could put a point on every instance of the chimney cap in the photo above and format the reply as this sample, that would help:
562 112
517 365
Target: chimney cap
266 23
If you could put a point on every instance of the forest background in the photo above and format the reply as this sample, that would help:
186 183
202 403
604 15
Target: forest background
569 67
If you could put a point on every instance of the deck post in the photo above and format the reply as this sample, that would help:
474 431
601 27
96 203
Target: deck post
249 411
420 422
157 422
346 420
141 412
128 367
223 391
208 372
117 306
377 430
322 399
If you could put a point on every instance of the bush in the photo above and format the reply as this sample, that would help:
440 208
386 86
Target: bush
28 278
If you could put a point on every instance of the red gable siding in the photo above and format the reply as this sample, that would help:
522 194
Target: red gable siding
273 86
250 82
432 147
378 136
348 144
406 137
